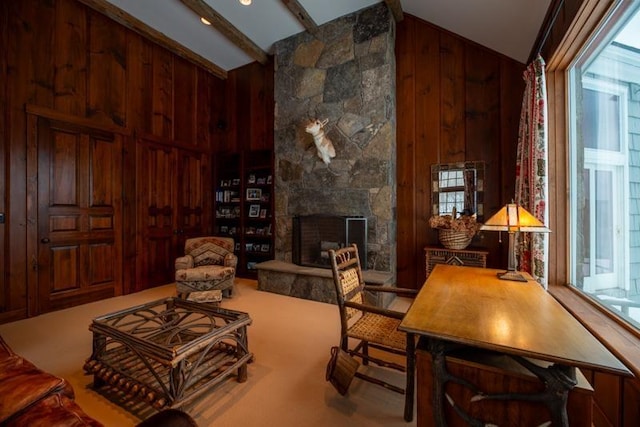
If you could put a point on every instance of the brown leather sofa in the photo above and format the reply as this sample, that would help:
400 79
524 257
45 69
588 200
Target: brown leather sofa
34 398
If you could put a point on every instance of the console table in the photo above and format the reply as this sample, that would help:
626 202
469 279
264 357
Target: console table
168 352
469 307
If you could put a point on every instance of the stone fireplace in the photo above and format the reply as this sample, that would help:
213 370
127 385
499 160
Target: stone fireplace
344 73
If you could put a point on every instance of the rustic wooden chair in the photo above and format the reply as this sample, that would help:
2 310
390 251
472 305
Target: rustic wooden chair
365 326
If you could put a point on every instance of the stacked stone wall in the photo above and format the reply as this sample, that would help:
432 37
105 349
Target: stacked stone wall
344 73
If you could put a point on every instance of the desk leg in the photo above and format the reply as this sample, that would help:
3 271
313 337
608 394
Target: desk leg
411 373
559 380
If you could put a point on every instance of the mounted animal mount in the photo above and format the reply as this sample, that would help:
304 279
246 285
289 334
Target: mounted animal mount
325 148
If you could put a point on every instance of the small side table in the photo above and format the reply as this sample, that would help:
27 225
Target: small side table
470 257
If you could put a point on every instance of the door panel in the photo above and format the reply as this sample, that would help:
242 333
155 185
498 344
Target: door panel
193 205
172 188
156 214
79 215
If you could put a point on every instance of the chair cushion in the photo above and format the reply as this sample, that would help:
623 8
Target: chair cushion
56 410
208 250
22 384
204 273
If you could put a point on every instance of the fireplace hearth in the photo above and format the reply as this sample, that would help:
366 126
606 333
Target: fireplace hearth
315 235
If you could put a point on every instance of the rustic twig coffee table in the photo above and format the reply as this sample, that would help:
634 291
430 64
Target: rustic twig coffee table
168 352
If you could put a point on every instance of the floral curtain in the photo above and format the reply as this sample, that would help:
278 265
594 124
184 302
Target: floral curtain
531 171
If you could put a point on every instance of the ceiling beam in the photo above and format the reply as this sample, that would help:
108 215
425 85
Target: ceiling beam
396 9
301 15
227 29
134 24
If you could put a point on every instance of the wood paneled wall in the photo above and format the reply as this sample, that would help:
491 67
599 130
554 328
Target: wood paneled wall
457 101
65 60
251 108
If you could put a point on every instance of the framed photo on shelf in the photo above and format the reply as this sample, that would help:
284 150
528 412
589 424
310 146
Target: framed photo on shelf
254 193
254 211
263 213
264 247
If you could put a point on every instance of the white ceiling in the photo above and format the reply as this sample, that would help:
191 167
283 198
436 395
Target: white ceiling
509 27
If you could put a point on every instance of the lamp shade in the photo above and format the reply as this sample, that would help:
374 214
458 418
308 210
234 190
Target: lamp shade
513 217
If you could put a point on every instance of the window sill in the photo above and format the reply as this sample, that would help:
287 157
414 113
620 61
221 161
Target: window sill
620 340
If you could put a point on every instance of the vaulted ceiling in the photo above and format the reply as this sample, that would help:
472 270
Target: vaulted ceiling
242 34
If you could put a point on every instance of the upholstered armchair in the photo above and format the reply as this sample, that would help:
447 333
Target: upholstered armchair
209 264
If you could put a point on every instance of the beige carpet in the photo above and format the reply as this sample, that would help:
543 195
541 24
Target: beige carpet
290 338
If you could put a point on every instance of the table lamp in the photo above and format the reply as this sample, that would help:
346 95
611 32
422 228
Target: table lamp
513 218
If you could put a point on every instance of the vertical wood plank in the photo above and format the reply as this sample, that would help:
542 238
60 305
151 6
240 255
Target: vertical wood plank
257 103
139 78
452 99
184 102
220 112
4 65
107 62
70 58
405 146
162 93
204 123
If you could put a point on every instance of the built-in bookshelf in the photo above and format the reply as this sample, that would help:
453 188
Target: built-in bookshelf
244 206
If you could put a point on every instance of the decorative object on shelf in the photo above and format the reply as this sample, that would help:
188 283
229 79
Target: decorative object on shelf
254 193
325 148
455 232
254 211
513 218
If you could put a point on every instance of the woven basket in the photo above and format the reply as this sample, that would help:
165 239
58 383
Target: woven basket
452 239
341 369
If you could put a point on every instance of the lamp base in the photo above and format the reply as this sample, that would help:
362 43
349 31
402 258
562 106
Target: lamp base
512 275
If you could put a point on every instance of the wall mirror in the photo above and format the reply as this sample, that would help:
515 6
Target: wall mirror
459 185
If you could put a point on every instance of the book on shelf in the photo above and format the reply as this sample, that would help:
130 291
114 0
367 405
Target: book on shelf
227 196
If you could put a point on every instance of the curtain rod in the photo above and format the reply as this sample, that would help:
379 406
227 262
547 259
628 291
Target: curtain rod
550 24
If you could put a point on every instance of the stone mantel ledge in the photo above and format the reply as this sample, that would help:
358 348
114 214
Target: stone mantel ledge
371 277
317 283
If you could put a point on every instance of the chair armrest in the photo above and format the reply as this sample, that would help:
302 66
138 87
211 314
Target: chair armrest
406 292
230 260
376 310
184 262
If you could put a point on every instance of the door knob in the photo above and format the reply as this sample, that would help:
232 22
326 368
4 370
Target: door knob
44 240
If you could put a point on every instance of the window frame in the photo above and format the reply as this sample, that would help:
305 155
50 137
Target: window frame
619 337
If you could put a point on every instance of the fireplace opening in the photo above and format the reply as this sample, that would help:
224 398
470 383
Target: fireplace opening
314 235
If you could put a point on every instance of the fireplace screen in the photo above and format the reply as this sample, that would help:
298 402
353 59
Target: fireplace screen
315 235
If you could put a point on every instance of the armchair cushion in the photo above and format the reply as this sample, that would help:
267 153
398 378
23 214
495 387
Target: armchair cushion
184 262
208 250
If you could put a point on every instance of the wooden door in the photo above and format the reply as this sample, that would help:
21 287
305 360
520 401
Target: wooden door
194 196
173 205
79 215
156 190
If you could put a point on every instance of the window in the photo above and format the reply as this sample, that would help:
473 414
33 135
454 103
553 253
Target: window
604 167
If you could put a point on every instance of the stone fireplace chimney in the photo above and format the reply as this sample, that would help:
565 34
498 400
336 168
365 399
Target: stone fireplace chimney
344 73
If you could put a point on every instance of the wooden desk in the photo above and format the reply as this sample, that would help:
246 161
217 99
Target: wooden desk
468 306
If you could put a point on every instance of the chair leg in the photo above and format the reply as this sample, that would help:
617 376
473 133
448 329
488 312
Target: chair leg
411 370
365 351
